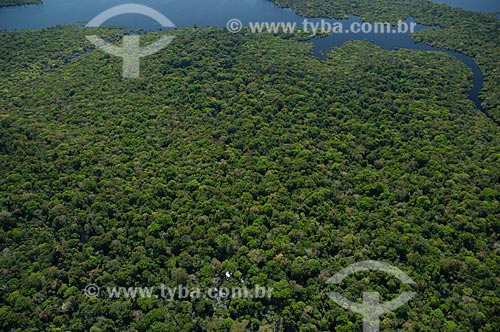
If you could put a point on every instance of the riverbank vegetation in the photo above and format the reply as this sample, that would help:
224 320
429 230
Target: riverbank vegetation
19 2
242 153
472 33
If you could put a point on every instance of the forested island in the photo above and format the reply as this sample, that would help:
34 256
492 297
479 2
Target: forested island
241 158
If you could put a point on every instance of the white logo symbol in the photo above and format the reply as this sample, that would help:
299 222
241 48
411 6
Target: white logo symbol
131 52
371 309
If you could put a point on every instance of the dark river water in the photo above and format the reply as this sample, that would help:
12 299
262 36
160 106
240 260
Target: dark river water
474 5
186 13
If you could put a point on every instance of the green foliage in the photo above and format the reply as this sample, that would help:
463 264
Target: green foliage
242 153
472 33
19 2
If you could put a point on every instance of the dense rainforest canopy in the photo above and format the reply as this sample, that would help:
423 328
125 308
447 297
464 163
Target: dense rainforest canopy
472 33
242 155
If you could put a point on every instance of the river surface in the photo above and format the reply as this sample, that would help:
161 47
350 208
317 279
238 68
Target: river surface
474 5
203 13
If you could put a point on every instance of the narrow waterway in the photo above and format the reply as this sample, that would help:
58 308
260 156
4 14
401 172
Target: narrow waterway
203 13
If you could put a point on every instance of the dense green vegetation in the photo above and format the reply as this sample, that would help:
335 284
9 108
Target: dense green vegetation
242 153
472 33
18 2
